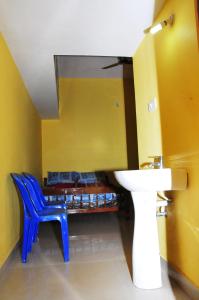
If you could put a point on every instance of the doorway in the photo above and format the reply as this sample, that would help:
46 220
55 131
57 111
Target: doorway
107 69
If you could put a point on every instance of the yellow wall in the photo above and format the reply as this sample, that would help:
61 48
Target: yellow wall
90 134
145 80
177 64
20 135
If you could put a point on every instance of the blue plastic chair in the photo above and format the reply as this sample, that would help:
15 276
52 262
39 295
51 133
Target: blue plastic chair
49 214
38 214
27 239
42 202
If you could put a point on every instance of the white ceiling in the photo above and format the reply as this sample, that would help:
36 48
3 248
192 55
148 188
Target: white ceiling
36 30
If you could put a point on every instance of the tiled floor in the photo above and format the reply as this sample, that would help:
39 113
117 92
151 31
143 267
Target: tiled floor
99 267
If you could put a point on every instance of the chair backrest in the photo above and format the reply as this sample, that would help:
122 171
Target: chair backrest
24 206
27 203
33 195
35 183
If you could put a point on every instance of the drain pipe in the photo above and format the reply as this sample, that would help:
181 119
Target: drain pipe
162 207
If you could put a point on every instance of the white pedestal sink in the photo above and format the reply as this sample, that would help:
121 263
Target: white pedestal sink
143 185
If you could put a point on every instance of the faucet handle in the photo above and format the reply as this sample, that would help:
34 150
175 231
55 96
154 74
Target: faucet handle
158 159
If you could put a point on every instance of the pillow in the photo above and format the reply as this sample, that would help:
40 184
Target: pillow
75 176
101 176
87 177
62 177
65 177
53 178
92 177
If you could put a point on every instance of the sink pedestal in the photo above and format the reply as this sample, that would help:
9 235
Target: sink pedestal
146 258
143 185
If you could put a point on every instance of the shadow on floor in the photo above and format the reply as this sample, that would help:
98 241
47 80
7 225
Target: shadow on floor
126 222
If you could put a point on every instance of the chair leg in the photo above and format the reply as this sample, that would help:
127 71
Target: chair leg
36 231
65 238
32 231
25 243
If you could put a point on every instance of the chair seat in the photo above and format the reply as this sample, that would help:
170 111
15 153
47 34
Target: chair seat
52 211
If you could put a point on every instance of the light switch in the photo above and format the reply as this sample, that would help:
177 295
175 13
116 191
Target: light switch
152 105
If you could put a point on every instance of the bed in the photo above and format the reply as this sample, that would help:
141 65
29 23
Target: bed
83 192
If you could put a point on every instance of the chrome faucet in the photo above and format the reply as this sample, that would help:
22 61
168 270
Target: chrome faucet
158 161
156 164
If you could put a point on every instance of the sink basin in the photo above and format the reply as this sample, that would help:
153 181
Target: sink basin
152 179
144 185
